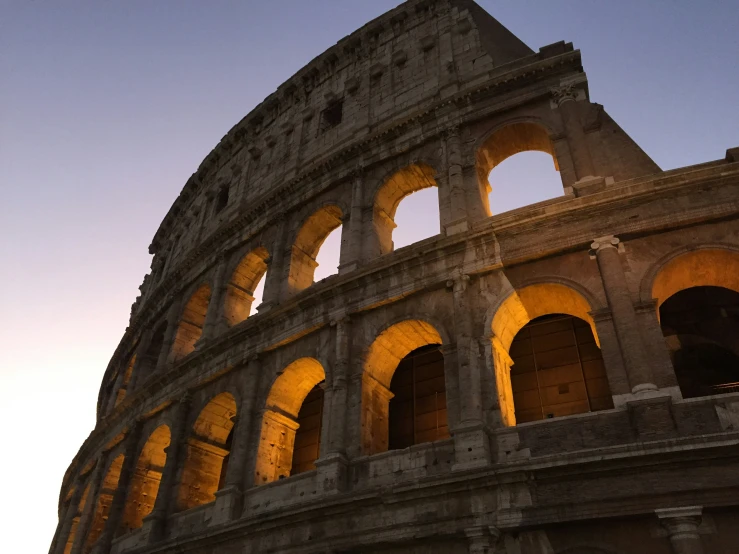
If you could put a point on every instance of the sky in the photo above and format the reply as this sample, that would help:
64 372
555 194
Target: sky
106 109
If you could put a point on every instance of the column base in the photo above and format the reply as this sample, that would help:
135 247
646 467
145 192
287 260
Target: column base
227 506
471 447
152 529
508 446
651 416
333 473
590 185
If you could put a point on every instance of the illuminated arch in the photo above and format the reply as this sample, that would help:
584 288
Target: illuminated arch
714 267
208 448
104 500
145 480
280 419
508 140
410 179
243 283
191 324
308 241
520 307
76 519
383 357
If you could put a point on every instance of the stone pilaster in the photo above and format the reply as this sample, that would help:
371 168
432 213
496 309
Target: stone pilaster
482 539
65 524
565 101
121 492
229 499
351 238
155 523
471 438
214 317
90 505
656 347
682 525
173 320
453 179
276 277
606 251
141 352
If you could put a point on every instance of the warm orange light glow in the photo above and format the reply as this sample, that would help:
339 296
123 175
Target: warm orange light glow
105 498
307 243
243 283
699 268
191 324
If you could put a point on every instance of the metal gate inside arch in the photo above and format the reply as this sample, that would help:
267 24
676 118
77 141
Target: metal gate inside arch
527 382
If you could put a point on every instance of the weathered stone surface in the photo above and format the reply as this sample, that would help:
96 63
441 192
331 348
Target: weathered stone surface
201 410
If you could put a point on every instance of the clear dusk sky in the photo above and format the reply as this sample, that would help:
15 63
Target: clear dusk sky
107 107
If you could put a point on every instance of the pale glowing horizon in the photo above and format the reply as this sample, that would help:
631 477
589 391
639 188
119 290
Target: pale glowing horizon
108 108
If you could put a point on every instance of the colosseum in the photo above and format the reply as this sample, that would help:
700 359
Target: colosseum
562 378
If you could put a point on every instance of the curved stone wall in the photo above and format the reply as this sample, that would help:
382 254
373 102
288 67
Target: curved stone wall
208 398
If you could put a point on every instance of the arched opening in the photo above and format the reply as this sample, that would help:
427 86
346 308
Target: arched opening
517 310
145 480
701 327
242 287
282 444
148 363
76 520
191 324
207 447
696 294
104 500
417 410
308 242
557 369
400 185
514 165
120 394
385 356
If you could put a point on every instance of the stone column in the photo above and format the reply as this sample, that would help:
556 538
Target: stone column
606 251
154 526
656 347
682 525
65 523
143 346
471 439
213 318
351 238
275 279
173 320
457 218
618 379
333 464
229 499
565 100
121 492
90 505
482 539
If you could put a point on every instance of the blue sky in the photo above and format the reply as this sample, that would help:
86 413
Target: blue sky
106 108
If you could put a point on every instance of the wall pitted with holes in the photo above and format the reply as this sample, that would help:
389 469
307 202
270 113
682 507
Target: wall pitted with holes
540 403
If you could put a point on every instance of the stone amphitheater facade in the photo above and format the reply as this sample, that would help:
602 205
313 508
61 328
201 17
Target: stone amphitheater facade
509 385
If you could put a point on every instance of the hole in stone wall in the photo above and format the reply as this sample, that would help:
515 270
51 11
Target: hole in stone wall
521 180
417 217
221 200
557 369
241 293
191 324
332 115
701 328
417 412
308 436
328 256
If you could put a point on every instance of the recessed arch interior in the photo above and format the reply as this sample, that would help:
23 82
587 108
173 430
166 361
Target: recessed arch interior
191 324
307 243
520 307
243 284
512 139
207 447
282 413
383 357
104 500
401 184
697 268
145 480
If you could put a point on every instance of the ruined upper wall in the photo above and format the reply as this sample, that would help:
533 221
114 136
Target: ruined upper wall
398 64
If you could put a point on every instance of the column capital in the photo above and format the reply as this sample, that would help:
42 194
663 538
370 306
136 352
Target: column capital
682 525
603 243
565 93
